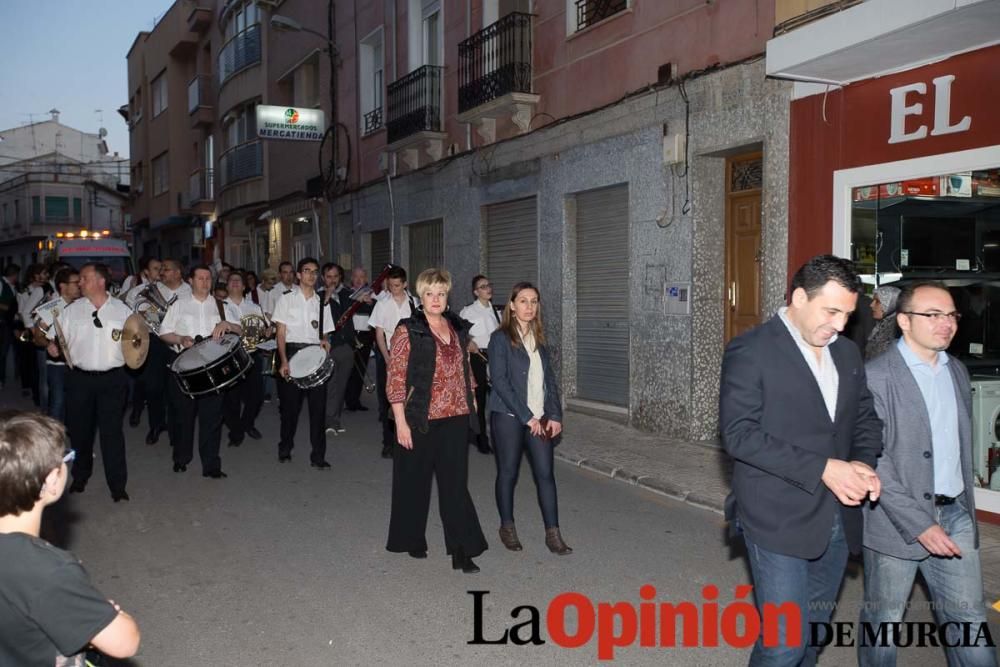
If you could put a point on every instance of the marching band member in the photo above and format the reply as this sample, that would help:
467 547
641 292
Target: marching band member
242 403
96 386
266 296
337 299
172 286
190 319
68 284
485 320
301 321
147 387
365 337
31 360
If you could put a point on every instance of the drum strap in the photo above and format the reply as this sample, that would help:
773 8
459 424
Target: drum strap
322 309
222 310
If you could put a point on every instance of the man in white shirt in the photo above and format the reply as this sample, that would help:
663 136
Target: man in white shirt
485 318
31 360
384 318
143 391
172 286
242 403
190 319
68 284
302 322
95 388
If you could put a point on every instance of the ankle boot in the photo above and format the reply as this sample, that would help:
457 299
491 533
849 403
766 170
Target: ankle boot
554 541
508 536
459 561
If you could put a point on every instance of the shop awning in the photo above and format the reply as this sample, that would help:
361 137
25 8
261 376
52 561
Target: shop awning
882 36
173 221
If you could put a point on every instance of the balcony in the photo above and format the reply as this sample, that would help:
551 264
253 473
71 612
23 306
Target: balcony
494 76
199 20
200 101
589 12
241 162
414 115
240 52
373 121
201 190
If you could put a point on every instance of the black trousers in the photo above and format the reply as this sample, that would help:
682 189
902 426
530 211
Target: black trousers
443 454
242 404
27 368
207 409
173 397
96 402
150 382
336 386
384 411
356 383
291 398
479 364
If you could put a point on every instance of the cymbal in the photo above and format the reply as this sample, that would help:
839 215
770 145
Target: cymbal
135 341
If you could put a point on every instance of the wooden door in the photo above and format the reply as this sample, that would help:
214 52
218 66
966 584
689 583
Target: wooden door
744 176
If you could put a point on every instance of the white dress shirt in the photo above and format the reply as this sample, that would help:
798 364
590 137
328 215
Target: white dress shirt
484 322
184 289
536 376
190 317
92 347
298 315
823 369
27 301
387 314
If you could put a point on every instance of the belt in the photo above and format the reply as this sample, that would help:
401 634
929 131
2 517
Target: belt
945 500
86 372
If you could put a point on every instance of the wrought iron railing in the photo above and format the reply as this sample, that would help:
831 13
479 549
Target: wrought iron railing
373 120
495 61
589 12
199 92
241 51
201 186
414 103
240 162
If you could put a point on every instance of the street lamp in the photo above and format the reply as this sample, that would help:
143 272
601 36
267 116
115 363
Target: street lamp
281 23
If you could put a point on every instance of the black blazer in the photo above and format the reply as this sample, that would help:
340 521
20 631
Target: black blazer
775 425
509 380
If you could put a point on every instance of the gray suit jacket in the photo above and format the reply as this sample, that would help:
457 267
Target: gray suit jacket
906 466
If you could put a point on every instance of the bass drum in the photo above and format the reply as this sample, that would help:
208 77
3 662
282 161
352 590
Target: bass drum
310 367
211 365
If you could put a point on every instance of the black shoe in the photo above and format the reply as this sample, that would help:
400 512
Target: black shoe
235 443
386 452
215 474
459 561
484 448
118 497
179 467
357 408
254 433
284 457
418 553
154 435
322 465
133 419
77 487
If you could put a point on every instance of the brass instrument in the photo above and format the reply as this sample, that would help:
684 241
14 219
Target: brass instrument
61 341
255 331
152 307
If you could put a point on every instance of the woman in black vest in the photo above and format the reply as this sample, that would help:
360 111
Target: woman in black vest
430 390
525 413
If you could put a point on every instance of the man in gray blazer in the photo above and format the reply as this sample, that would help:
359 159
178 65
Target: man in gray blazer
926 517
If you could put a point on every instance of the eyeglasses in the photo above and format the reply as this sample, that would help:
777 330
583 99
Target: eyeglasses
97 321
937 317
484 286
70 456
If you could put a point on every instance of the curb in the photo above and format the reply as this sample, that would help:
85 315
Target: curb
650 483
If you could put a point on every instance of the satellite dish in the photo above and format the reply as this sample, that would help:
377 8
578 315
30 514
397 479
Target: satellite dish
103 132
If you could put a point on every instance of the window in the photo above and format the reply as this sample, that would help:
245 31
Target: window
581 14
159 94
136 107
138 183
305 83
242 35
56 208
426 43
371 76
36 209
242 126
77 209
17 211
160 175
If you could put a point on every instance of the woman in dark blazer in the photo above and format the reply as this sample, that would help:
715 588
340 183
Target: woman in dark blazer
525 413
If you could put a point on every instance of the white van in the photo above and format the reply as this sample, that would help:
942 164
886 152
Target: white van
113 252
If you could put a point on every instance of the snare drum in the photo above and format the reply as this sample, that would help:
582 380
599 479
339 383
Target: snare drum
310 367
211 365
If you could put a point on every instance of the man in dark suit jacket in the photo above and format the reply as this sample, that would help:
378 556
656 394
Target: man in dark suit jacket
797 417
926 518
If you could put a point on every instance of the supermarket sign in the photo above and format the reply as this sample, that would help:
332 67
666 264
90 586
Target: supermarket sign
290 123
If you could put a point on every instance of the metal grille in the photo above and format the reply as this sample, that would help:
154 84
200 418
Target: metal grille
589 12
602 297
381 251
495 61
239 162
511 245
426 247
373 120
414 103
747 175
241 51
201 186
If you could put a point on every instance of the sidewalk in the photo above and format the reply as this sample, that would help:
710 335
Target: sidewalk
697 473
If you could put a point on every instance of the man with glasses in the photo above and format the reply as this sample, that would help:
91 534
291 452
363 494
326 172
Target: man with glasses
96 386
926 518
485 318
68 284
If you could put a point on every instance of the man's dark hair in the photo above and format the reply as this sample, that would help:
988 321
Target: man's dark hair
101 269
31 446
12 270
144 262
306 260
198 267
905 300
286 263
396 272
64 276
333 265
820 270
34 270
475 280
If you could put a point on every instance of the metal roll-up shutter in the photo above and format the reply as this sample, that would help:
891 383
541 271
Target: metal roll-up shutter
511 245
426 248
381 252
602 298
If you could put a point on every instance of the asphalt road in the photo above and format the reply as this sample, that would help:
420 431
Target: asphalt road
281 564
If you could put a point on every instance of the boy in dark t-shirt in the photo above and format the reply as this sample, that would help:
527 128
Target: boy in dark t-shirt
49 610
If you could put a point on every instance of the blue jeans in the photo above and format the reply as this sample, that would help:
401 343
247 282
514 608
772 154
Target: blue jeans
956 587
510 439
56 374
811 584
